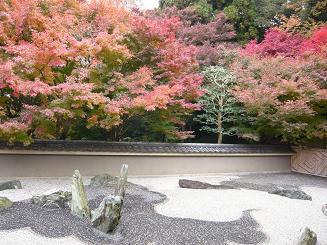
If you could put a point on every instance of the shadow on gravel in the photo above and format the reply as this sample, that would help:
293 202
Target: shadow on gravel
140 224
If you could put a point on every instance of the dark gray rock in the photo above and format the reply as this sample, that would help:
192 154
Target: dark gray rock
192 184
307 237
291 193
59 199
324 209
12 184
106 217
102 180
5 203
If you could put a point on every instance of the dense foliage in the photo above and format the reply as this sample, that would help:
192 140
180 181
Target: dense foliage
251 18
282 84
70 66
246 69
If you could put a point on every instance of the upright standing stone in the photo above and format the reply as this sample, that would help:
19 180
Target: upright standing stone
121 186
106 217
79 204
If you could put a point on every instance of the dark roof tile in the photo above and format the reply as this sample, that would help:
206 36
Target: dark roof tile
138 147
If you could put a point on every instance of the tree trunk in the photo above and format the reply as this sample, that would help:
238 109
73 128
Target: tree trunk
214 5
219 128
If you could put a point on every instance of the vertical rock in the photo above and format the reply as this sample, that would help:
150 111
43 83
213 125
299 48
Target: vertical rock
79 204
121 186
307 237
106 217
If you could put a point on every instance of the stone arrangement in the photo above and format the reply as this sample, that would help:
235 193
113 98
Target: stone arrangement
104 218
107 215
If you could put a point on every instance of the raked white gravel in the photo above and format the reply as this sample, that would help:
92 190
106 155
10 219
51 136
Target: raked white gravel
28 237
280 218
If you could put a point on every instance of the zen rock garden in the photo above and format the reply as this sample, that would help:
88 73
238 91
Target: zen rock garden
104 218
102 213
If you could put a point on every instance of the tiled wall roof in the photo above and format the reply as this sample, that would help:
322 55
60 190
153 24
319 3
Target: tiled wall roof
137 147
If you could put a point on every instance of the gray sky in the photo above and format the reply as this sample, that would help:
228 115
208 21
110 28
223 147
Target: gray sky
149 4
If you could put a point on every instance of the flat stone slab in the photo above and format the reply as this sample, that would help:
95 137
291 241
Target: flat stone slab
193 184
293 194
12 184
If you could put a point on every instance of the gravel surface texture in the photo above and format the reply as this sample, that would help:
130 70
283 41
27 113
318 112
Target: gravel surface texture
280 218
156 211
270 182
140 224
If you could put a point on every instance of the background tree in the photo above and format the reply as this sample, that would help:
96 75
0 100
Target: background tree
304 16
250 17
284 90
211 37
243 14
220 109
82 68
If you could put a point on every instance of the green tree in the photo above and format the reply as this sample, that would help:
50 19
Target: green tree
204 8
220 110
267 13
243 14
178 3
304 16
